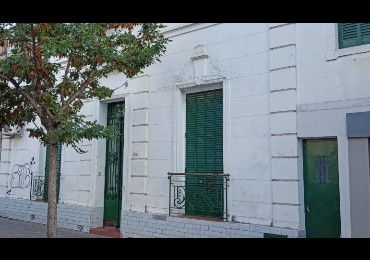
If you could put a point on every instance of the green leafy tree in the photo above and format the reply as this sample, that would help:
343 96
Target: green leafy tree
51 68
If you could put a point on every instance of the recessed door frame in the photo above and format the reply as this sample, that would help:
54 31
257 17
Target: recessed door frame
343 171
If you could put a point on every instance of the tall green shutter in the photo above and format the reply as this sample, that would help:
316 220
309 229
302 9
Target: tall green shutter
353 34
47 166
204 153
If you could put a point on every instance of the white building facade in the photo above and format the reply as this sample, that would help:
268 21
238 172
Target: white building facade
242 130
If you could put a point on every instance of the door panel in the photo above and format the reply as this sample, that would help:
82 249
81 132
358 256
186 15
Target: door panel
321 188
204 153
114 166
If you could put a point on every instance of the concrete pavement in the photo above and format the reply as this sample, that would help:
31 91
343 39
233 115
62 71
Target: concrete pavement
11 228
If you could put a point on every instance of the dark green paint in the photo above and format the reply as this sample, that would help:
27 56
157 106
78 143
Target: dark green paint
268 235
353 34
204 153
114 166
47 166
321 196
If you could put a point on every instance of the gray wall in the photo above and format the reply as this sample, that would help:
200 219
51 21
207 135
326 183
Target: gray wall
358 155
358 124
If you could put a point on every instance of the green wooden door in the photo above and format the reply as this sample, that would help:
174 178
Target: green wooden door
47 166
204 153
114 166
321 188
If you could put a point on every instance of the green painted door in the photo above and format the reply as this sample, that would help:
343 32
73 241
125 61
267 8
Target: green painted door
204 153
47 166
114 166
321 188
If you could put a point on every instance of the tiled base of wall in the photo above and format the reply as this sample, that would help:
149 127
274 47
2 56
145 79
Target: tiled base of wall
69 216
138 224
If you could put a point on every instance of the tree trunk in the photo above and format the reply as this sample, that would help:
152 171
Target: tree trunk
52 192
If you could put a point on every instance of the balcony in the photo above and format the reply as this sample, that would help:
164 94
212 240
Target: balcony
198 195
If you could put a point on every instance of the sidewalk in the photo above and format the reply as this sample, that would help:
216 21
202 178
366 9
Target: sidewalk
11 228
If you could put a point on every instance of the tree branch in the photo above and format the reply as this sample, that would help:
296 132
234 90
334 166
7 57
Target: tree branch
34 57
65 78
81 89
24 93
32 101
48 111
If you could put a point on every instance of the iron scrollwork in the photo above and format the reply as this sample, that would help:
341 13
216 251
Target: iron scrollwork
179 200
198 194
37 187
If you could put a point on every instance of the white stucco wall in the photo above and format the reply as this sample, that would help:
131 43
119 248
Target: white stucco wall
323 78
331 82
16 157
76 169
238 59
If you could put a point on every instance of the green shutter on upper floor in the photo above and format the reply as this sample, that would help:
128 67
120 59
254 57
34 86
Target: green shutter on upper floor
353 34
47 166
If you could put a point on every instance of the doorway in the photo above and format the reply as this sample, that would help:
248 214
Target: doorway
114 166
321 188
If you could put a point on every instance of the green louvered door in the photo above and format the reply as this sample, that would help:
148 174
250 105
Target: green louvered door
114 166
353 34
204 153
47 166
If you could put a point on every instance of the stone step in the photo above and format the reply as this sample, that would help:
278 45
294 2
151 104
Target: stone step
106 232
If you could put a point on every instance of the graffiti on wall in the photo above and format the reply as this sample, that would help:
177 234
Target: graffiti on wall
21 176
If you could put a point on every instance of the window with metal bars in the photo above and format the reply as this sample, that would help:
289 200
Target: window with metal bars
353 34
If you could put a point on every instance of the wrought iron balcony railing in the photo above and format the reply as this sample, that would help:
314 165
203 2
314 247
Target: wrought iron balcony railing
198 194
37 187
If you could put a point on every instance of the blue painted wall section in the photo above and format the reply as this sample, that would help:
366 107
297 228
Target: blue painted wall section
358 124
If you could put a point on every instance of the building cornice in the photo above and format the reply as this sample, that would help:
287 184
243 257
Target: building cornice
182 28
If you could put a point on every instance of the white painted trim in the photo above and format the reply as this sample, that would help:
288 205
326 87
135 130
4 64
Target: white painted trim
339 104
100 157
226 136
184 28
200 81
178 129
200 88
333 52
344 186
301 210
115 98
127 154
94 161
